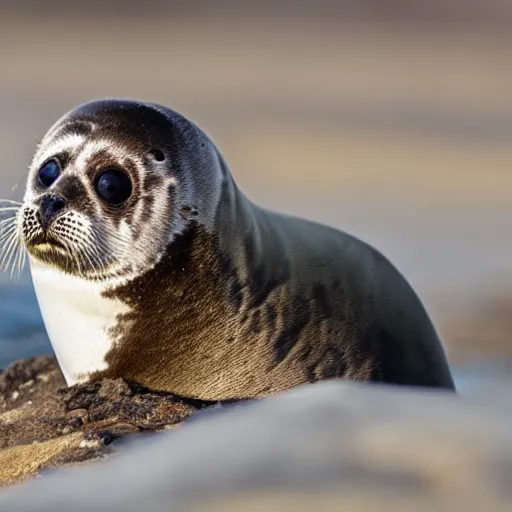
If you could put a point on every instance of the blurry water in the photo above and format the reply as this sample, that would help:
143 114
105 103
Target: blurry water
22 332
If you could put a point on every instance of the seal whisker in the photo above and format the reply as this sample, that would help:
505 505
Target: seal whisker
24 261
76 256
6 237
98 261
18 258
6 223
117 236
9 219
117 249
95 243
84 260
83 250
7 227
90 246
10 214
72 252
101 258
10 206
92 262
10 201
9 251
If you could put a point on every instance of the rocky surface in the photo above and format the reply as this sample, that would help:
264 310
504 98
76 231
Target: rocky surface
329 446
44 425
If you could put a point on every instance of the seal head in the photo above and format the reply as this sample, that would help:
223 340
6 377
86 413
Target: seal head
103 177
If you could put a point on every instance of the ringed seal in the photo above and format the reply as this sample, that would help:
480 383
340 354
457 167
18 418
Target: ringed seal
150 264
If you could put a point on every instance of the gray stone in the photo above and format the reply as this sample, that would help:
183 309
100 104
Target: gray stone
328 446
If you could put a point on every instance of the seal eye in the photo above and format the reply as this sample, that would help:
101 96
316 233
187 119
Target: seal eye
49 172
113 186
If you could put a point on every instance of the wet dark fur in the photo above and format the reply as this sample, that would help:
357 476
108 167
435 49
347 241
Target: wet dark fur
264 301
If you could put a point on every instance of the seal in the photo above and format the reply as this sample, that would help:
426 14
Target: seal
149 263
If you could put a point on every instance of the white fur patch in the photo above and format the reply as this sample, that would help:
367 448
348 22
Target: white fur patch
77 318
68 142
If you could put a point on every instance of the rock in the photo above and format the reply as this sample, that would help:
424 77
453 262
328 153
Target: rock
334 445
44 425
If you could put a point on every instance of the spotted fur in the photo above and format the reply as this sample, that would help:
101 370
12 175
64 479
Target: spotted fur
190 287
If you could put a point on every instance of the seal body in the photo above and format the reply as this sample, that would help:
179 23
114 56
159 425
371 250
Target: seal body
150 264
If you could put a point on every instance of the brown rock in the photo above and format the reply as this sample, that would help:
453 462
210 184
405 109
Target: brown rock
43 424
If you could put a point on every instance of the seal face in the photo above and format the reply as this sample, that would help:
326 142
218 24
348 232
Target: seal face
150 264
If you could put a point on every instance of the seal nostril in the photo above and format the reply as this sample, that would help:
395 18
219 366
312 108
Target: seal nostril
50 206
58 204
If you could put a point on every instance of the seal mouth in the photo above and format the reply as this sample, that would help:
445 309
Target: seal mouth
45 243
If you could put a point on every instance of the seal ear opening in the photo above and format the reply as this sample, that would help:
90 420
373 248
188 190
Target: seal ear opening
188 211
157 154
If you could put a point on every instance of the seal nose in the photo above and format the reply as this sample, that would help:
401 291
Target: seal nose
51 204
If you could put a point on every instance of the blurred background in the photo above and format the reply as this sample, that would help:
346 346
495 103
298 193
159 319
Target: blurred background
391 120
